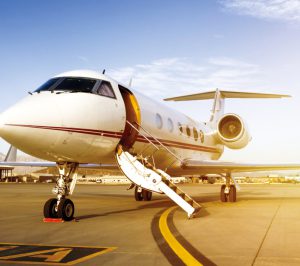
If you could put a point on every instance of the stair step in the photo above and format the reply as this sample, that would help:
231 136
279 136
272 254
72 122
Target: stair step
196 211
167 182
196 204
181 194
190 201
175 189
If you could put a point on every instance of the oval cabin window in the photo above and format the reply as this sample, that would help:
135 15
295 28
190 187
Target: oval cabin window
180 128
159 121
201 134
188 131
195 134
170 125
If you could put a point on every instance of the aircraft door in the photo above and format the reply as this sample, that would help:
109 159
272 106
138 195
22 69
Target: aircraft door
133 115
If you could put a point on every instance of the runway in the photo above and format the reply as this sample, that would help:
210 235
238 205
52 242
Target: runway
261 228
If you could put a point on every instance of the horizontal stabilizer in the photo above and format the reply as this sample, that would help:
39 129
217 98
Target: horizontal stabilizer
225 94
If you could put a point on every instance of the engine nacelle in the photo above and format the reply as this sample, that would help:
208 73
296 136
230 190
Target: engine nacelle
232 132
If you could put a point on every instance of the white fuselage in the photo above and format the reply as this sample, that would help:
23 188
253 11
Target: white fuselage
86 128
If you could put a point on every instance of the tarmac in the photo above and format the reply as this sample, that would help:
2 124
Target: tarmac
111 228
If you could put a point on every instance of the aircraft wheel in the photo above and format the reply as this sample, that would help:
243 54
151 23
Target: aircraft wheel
147 195
232 193
223 196
66 209
138 195
49 208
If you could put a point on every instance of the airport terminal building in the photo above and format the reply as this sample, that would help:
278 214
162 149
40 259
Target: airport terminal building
5 172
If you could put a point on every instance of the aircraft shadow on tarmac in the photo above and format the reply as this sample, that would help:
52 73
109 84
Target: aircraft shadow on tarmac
156 203
159 201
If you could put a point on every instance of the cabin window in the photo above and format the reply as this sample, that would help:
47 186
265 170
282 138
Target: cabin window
180 127
170 125
105 89
188 131
201 134
195 134
159 121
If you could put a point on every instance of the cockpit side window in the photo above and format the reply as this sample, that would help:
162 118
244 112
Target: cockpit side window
105 89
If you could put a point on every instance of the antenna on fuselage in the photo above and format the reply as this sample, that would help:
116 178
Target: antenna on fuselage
103 71
130 83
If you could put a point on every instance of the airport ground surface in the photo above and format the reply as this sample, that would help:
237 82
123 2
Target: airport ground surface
262 228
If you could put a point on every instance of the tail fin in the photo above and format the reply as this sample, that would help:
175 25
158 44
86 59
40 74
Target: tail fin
219 97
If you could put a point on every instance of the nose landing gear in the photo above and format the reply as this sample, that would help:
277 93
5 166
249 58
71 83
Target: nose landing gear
61 207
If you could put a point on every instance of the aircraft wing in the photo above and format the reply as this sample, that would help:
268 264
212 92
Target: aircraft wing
11 160
53 164
219 167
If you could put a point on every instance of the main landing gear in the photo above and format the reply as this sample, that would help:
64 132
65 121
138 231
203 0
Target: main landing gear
142 194
228 191
61 207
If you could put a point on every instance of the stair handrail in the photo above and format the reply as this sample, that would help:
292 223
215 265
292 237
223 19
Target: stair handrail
142 134
159 142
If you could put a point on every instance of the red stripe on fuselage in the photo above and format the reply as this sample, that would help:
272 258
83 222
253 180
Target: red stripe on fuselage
118 135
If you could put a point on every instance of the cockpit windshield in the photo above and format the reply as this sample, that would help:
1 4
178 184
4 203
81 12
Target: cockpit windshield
69 84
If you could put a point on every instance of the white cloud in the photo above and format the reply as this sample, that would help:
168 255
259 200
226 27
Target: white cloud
82 58
174 76
286 10
229 62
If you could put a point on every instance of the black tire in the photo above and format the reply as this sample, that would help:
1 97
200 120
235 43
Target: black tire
138 195
147 195
232 193
49 208
223 196
66 209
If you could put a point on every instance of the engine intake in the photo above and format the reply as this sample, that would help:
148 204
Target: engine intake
232 131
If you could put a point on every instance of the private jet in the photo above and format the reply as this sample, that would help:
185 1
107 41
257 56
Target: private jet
87 119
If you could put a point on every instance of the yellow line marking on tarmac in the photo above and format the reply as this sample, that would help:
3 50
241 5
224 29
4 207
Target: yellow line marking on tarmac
179 250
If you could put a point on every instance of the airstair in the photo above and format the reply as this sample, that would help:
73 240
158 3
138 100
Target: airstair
145 175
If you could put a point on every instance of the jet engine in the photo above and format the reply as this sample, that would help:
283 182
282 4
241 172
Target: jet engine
232 131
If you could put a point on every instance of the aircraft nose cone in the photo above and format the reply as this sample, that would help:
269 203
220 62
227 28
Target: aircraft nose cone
1 127
22 125
2 124
4 129
13 119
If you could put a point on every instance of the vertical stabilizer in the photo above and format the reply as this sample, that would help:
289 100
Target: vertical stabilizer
218 107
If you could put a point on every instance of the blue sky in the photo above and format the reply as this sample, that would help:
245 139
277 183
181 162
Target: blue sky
169 48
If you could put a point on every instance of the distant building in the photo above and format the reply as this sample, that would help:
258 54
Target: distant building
6 172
